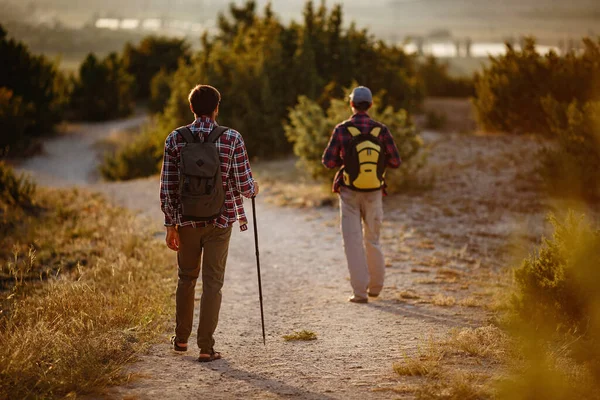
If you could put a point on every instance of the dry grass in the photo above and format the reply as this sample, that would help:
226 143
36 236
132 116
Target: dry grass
455 386
104 287
443 301
469 302
409 295
425 363
300 335
487 342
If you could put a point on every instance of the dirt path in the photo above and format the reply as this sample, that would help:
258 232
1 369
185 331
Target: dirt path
305 287
71 158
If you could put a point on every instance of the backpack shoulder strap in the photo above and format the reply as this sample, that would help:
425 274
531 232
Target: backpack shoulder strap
353 130
376 130
187 134
216 133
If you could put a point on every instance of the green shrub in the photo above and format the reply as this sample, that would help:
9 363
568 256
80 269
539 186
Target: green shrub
103 90
555 322
437 81
16 197
13 120
137 159
152 55
310 128
262 66
30 99
572 167
510 92
15 191
160 91
558 284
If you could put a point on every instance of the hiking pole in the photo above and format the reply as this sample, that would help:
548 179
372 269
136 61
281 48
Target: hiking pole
262 314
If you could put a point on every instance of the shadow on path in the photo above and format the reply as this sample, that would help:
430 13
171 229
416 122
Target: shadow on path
261 382
411 311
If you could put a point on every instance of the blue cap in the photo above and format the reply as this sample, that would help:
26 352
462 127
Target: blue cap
361 94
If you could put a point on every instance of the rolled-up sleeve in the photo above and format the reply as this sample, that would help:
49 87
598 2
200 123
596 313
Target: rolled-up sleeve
169 182
241 173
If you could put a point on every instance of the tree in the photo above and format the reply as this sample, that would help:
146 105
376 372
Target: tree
103 90
31 80
152 55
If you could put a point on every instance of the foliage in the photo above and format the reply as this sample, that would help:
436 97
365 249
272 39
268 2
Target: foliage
572 167
160 91
438 82
78 304
103 90
30 101
17 195
556 316
558 284
149 57
262 66
309 130
13 120
511 90
134 160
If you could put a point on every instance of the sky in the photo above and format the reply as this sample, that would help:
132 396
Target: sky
550 20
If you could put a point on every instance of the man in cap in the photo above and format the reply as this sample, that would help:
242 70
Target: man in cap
362 148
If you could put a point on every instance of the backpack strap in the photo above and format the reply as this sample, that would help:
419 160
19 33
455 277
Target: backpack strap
216 133
187 134
354 131
375 131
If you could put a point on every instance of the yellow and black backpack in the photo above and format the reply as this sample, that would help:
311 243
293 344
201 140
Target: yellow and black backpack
364 162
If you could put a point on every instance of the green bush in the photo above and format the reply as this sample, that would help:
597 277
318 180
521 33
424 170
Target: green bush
310 128
149 57
262 66
30 98
160 91
139 158
571 168
558 284
510 92
13 120
555 322
16 196
437 81
103 90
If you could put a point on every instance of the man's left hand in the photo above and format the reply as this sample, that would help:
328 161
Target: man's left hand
172 238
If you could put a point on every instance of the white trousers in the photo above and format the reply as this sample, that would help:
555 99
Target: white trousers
362 217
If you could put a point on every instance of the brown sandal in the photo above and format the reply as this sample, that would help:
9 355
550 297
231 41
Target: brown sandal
212 356
177 347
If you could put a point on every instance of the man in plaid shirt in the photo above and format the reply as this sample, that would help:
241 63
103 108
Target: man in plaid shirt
208 241
363 254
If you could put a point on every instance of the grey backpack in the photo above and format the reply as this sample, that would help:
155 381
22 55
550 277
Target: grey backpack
201 185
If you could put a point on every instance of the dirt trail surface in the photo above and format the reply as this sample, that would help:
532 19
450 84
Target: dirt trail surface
305 284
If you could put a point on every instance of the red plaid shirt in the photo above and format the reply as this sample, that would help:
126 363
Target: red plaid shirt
235 171
333 157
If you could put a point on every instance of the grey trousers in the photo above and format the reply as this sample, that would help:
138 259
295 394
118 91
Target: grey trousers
362 216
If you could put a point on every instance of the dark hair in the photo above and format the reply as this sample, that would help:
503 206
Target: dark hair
362 106
204 99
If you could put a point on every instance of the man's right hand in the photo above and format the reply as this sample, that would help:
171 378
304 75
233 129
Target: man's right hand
256 190
172 238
